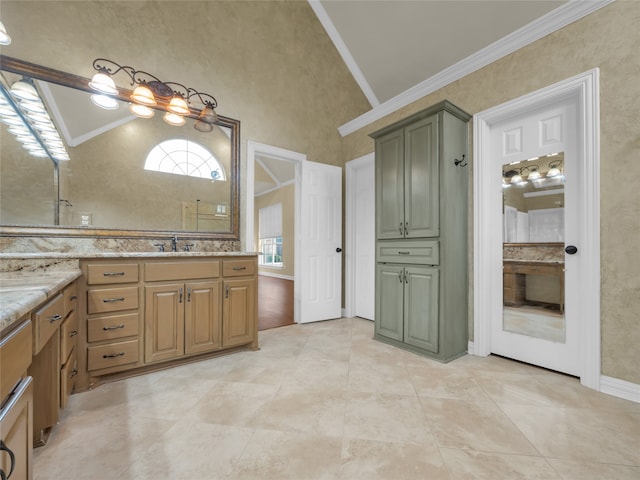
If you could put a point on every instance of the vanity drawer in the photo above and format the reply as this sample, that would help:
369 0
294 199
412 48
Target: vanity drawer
238 268
15 357
46 321
68 378
111 327
100 274
112 355
162 271
70 295
419 252
68 335
112 299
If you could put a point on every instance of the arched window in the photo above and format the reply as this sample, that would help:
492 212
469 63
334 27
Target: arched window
184 157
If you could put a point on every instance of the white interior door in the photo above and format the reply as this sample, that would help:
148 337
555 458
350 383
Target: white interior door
320 242
539 322
364 243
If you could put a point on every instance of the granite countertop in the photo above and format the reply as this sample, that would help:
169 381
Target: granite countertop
539 262
79 255
21 292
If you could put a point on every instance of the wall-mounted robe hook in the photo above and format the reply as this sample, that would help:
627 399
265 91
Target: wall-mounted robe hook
461 163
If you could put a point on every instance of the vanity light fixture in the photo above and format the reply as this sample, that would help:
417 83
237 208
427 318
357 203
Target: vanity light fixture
28 119
150 91
554 171
104 101
5 39
141 111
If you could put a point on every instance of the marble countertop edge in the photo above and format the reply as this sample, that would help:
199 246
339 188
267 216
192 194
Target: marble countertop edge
81 255
21 292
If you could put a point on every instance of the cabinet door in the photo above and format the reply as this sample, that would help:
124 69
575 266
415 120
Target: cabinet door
202 323
421 307
389 185
16 431
421 179
389 301
164 322
238 312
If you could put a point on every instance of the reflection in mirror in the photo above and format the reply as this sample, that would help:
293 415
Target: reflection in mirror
533 193
533 261
126 174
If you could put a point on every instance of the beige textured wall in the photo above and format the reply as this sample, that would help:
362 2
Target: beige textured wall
26 184
269 64
608 39
286 196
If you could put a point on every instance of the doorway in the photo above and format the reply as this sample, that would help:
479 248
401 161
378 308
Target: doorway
549 118
271 169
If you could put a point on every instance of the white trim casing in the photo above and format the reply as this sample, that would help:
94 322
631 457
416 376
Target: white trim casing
541 27
335 37
350 232
583 90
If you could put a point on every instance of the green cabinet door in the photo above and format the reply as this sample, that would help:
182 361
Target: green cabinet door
421 179
389 185
389 301
421 307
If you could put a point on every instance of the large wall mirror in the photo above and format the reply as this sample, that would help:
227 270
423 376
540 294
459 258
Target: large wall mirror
125 177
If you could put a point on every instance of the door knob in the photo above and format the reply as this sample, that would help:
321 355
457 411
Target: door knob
571 249
338 250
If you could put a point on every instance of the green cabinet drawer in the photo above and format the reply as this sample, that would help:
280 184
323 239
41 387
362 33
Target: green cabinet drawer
415 252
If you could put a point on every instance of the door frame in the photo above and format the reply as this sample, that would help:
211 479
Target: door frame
583 90
350 230
255 149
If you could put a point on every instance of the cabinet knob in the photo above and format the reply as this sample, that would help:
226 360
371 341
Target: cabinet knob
338 250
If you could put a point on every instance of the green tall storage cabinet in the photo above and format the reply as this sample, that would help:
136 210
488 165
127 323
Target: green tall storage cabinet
421 232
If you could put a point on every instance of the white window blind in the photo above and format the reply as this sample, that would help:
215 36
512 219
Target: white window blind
270 219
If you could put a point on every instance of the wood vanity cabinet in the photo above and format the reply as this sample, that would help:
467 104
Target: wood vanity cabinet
239 312
421 232
111 318
145 312
16 402
53 366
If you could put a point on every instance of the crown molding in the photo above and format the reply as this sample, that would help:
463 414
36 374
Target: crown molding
335 37
545 25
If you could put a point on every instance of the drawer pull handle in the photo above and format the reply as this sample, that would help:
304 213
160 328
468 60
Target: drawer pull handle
74 372
73 333
113 274
12 459
113 355
55 318
113 300
404 253
113 327
74 298
239 268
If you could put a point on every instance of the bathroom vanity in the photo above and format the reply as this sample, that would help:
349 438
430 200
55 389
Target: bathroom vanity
107 316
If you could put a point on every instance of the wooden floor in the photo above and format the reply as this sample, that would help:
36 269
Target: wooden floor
275 302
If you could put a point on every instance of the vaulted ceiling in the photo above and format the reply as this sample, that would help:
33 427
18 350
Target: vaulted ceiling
396 44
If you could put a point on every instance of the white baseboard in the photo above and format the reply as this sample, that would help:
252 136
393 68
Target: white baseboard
275 275
470 348
620 388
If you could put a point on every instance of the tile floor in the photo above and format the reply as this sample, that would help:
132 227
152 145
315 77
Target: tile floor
325 401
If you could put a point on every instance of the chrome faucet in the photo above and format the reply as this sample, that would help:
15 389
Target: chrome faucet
174 243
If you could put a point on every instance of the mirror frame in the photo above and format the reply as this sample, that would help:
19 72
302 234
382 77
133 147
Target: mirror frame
39 72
